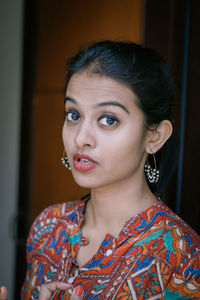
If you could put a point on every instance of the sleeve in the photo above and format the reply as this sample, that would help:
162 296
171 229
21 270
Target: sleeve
39 229
28 284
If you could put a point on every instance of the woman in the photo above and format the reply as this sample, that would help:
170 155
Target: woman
122 241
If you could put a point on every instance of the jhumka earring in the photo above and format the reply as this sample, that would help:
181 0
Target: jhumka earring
65 161
151 174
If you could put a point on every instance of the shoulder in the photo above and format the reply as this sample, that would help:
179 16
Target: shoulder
164 233
166 244
173 226
182 246
173 222
54 213
65 215
180 242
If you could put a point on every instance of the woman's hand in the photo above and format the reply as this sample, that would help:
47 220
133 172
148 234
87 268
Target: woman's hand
3 293
46 290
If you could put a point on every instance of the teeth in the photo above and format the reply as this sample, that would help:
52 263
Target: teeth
85 161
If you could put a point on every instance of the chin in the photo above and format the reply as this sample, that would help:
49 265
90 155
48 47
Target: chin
84 181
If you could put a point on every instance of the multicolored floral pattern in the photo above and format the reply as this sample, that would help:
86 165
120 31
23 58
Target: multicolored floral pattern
156 256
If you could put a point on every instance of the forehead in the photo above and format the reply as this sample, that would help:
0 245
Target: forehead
98 87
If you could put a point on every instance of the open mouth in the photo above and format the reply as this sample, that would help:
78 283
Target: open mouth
84 161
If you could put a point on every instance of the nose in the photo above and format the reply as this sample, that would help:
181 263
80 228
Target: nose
85 137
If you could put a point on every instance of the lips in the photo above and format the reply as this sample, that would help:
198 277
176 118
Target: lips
83 163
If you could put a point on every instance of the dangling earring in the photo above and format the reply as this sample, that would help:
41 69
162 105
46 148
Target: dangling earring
151 174
65 161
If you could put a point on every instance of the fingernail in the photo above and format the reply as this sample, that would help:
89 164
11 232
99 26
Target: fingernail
78 290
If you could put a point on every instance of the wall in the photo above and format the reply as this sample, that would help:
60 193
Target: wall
11 15
63 28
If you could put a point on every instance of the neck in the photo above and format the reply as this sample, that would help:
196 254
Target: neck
111 206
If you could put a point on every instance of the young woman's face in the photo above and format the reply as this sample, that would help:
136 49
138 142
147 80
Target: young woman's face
103 132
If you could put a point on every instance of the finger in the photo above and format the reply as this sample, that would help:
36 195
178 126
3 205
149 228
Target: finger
3 293
63 285
77 293
46 290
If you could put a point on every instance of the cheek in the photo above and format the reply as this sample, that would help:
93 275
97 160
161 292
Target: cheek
124 141
124 146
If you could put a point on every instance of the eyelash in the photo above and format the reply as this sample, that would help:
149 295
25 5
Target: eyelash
109 117
72 111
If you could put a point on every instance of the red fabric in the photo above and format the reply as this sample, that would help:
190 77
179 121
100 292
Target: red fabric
156 255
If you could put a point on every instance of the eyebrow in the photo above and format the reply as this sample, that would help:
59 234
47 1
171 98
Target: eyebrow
69 99
115 103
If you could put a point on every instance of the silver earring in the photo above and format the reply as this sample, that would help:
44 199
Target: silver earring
151 174
65 161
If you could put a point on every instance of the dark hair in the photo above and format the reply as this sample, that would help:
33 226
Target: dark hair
146 74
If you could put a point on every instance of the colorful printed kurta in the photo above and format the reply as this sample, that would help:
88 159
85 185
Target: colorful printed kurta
156 256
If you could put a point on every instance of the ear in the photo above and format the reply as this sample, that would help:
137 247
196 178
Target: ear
159 136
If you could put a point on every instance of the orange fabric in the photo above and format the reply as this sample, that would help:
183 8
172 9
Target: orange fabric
156 255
